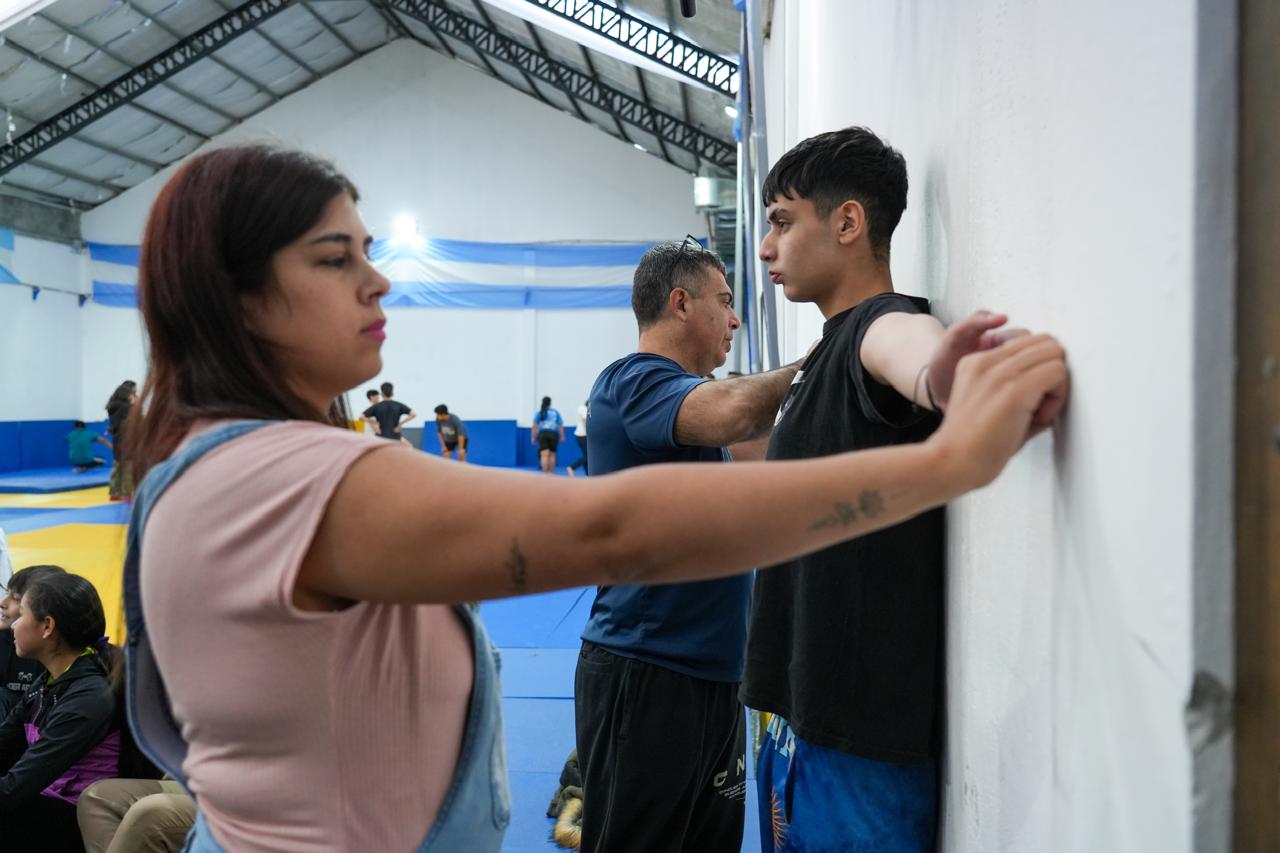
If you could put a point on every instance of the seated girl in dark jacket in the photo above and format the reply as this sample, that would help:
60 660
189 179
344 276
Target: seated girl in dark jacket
64 734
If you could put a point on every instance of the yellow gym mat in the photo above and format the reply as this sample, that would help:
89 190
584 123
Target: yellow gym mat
81 499
95 551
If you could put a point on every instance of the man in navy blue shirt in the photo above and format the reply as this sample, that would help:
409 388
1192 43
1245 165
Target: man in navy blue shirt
660 730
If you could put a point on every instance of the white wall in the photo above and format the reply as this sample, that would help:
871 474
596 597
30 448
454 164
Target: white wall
40 339
472 159
1069 165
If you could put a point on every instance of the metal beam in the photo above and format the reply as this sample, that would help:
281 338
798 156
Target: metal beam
488 22
684 90
128 86
644 96
398 26
101 146
573 82
173 87
222 63
595 75
288 54
650 41
537 42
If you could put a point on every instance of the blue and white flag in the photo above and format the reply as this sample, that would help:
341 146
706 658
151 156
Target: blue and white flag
426 272
6 257
114 269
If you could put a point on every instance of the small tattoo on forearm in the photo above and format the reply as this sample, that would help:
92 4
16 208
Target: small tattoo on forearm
843 513
518 567
870 503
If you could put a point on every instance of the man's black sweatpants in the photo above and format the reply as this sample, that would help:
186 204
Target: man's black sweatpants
662 756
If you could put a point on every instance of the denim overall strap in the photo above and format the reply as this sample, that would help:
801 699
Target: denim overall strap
150 716
477 807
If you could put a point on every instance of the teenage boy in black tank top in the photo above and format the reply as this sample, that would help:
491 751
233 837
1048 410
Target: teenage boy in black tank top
845 645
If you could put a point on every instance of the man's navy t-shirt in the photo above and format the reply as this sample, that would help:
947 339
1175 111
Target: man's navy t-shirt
697 628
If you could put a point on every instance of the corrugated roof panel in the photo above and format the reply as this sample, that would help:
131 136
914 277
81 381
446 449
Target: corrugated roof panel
362 25
218 93
313 44
664 93
216 85
121 29
30 86
30 175
565 50
619 75
185 16
262 63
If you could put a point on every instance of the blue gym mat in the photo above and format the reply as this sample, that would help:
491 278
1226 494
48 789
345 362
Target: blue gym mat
551 620
45 480
22 519
538 673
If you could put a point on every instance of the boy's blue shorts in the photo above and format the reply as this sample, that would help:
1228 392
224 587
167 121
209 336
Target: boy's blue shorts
817 799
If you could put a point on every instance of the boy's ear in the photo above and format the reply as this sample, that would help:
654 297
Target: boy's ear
850 222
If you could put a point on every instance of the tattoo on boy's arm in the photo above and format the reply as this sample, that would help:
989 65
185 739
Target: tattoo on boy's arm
517 567
843 513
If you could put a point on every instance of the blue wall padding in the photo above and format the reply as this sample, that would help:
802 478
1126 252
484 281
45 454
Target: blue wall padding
10 446
43 444
40 445
566 455
490 442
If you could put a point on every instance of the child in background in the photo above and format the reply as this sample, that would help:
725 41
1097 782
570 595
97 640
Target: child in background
16 674
64 734
80 442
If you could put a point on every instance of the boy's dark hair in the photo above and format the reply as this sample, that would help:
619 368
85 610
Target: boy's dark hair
371 393
442 409
79 424
387 389
841 165
664 268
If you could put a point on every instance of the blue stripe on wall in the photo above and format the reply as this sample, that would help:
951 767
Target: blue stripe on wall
115 295
112 253
463 251
441 295
431 295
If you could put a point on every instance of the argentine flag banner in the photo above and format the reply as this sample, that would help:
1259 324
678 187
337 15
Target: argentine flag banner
434 273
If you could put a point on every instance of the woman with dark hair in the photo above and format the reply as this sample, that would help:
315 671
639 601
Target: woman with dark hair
18 673
62 737
120 404
547 433
276 608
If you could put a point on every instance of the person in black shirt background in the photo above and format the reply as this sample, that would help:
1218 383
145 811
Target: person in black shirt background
389 414
845 644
